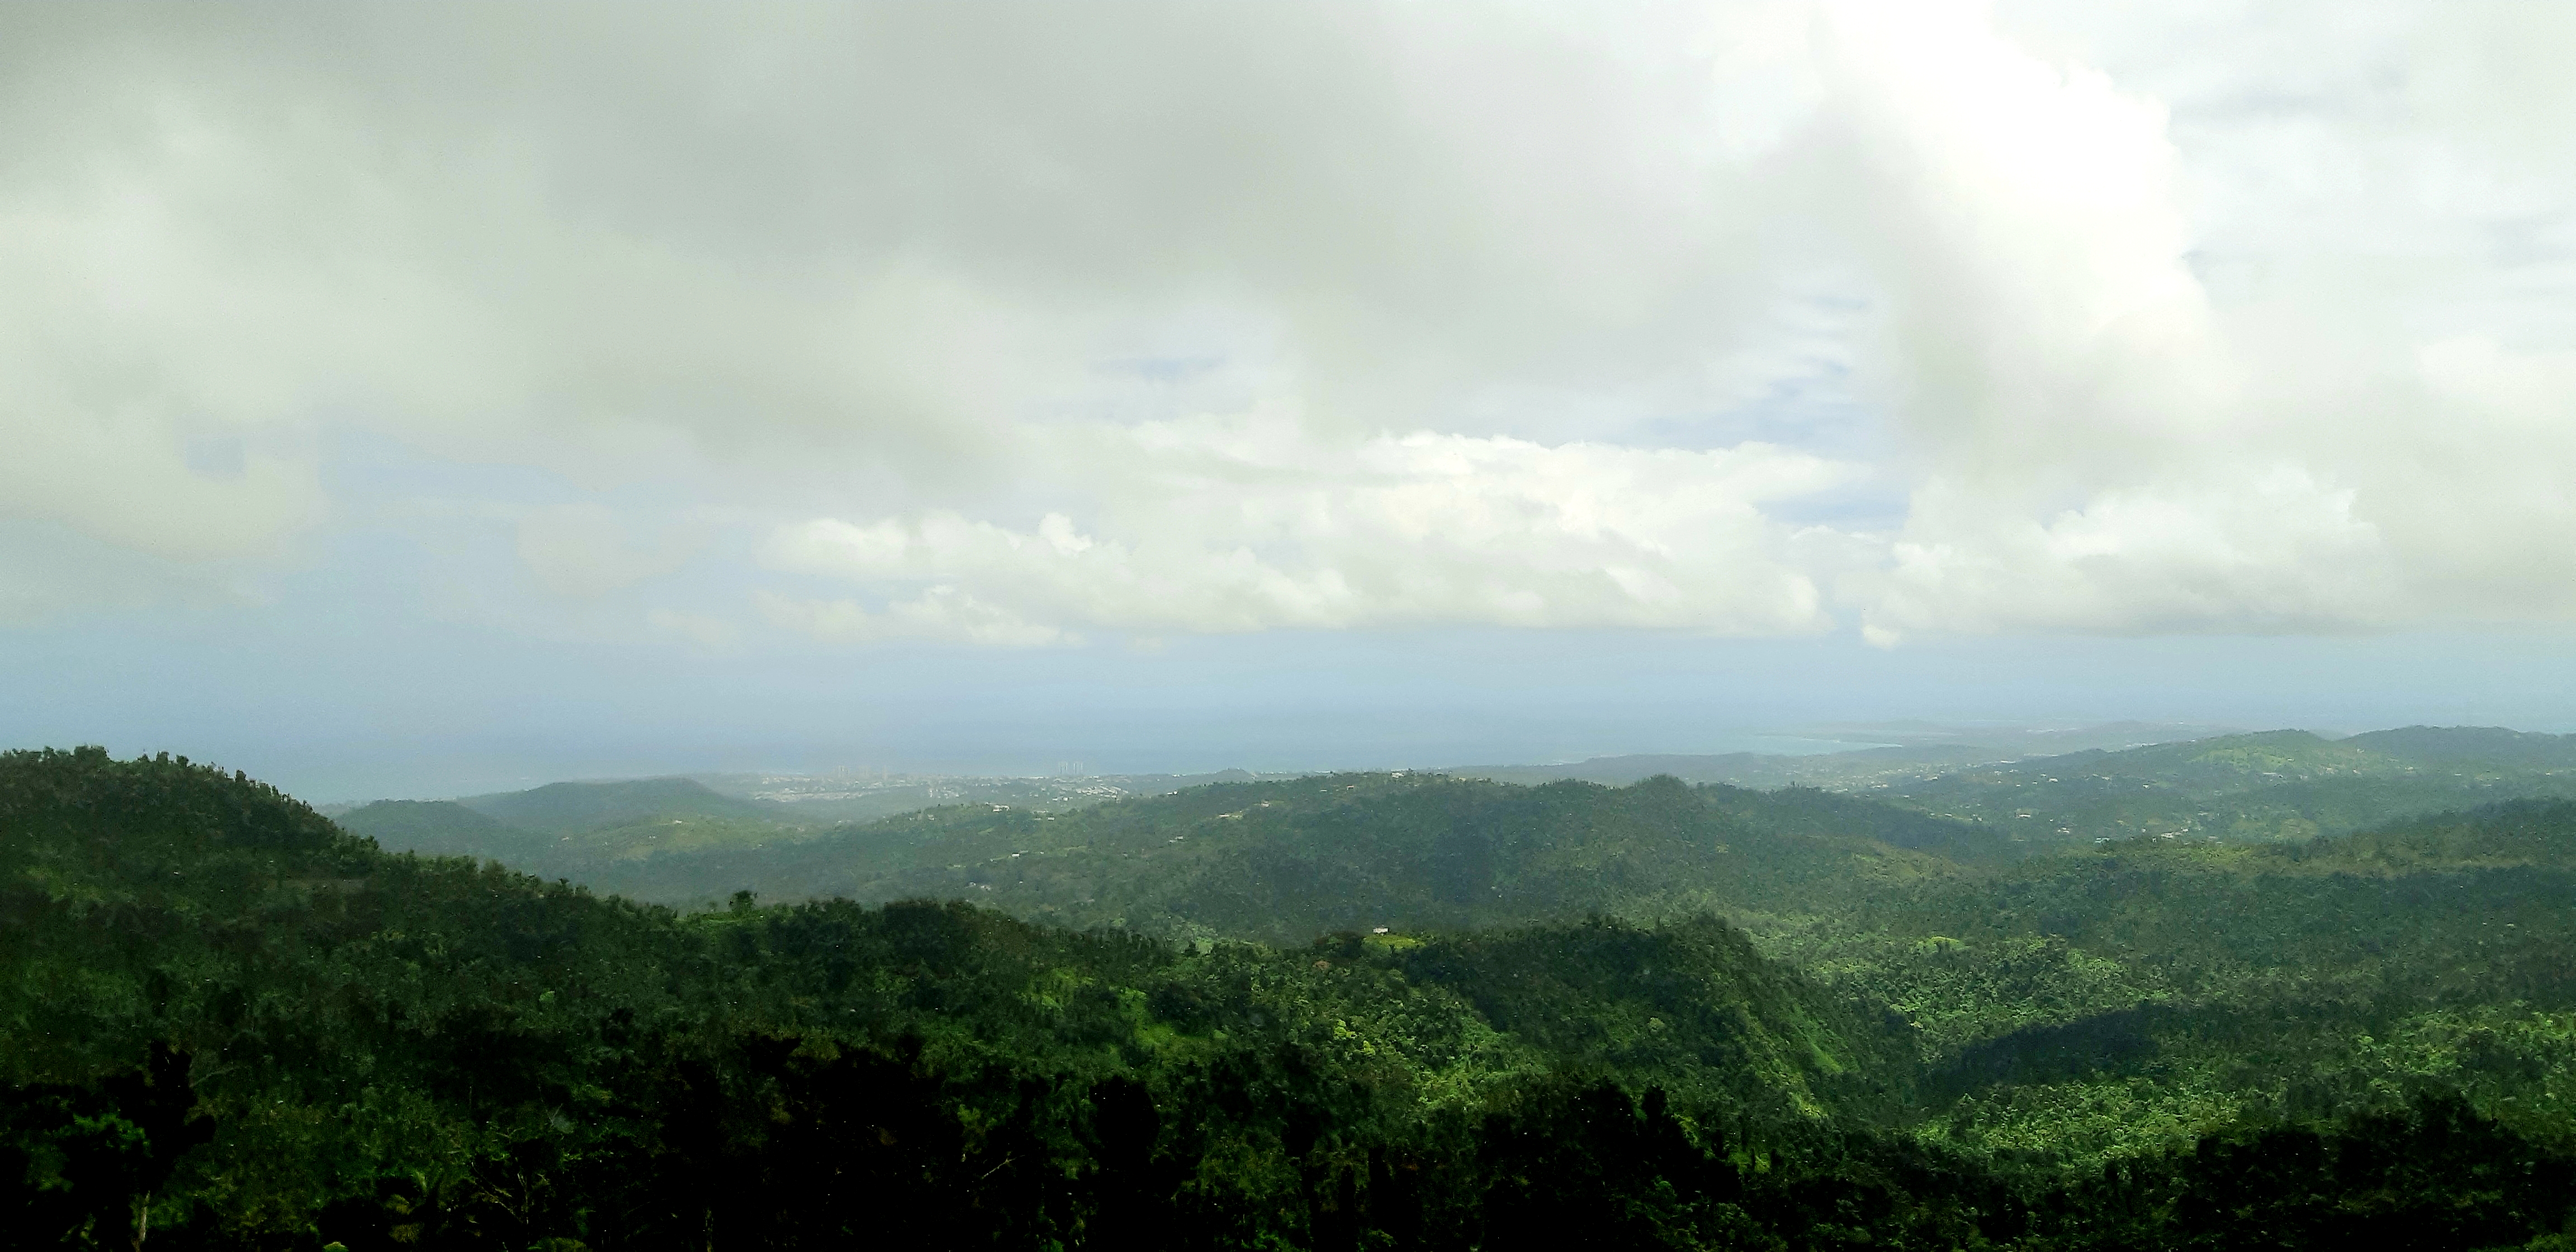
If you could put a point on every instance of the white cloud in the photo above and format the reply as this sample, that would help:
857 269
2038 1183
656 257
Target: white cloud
1244 528
2267 551
2021 218
2206 317
941 613
2106 447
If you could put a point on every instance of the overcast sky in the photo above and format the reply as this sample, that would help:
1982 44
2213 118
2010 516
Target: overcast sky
404 399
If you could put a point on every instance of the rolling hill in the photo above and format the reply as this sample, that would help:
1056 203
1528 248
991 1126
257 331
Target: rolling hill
564 828
440 828
2277 785
1288 860
229 1023
569 807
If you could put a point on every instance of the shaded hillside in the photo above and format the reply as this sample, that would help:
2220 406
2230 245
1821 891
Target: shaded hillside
1826 815
1289 860
439 828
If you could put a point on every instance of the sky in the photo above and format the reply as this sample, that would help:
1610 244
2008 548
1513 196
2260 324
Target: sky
414 400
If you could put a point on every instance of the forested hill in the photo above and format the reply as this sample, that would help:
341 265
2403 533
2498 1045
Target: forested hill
562 828
441 828
228 1024
565 807
1288 860
335 1043
2278 785
2261 787
2115 1001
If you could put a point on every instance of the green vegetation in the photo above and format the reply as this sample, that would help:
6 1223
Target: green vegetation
1285 861
2114 1003
567 807
2284 785
1657 1016
577 830
566 829
439 828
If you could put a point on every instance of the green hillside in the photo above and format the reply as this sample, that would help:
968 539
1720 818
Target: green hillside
2162 986
1286 861
2152 989
338 1044
569 807
439 828
1743 769
2282 785
2481 749
565 829
230 1024
1910 751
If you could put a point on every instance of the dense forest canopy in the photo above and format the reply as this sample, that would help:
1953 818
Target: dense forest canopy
2282 785
1335 1012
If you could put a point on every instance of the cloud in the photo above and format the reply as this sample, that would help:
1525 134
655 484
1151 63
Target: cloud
586 550
881 234
1247 528
713 634
1020 324
941 613
2105 445
2020 217
2269 551
48 570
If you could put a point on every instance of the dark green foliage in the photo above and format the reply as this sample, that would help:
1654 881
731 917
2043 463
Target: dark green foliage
79 1163
231 1025
1807 812
1689 1005
401 1051
1585 1166
2435 1175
